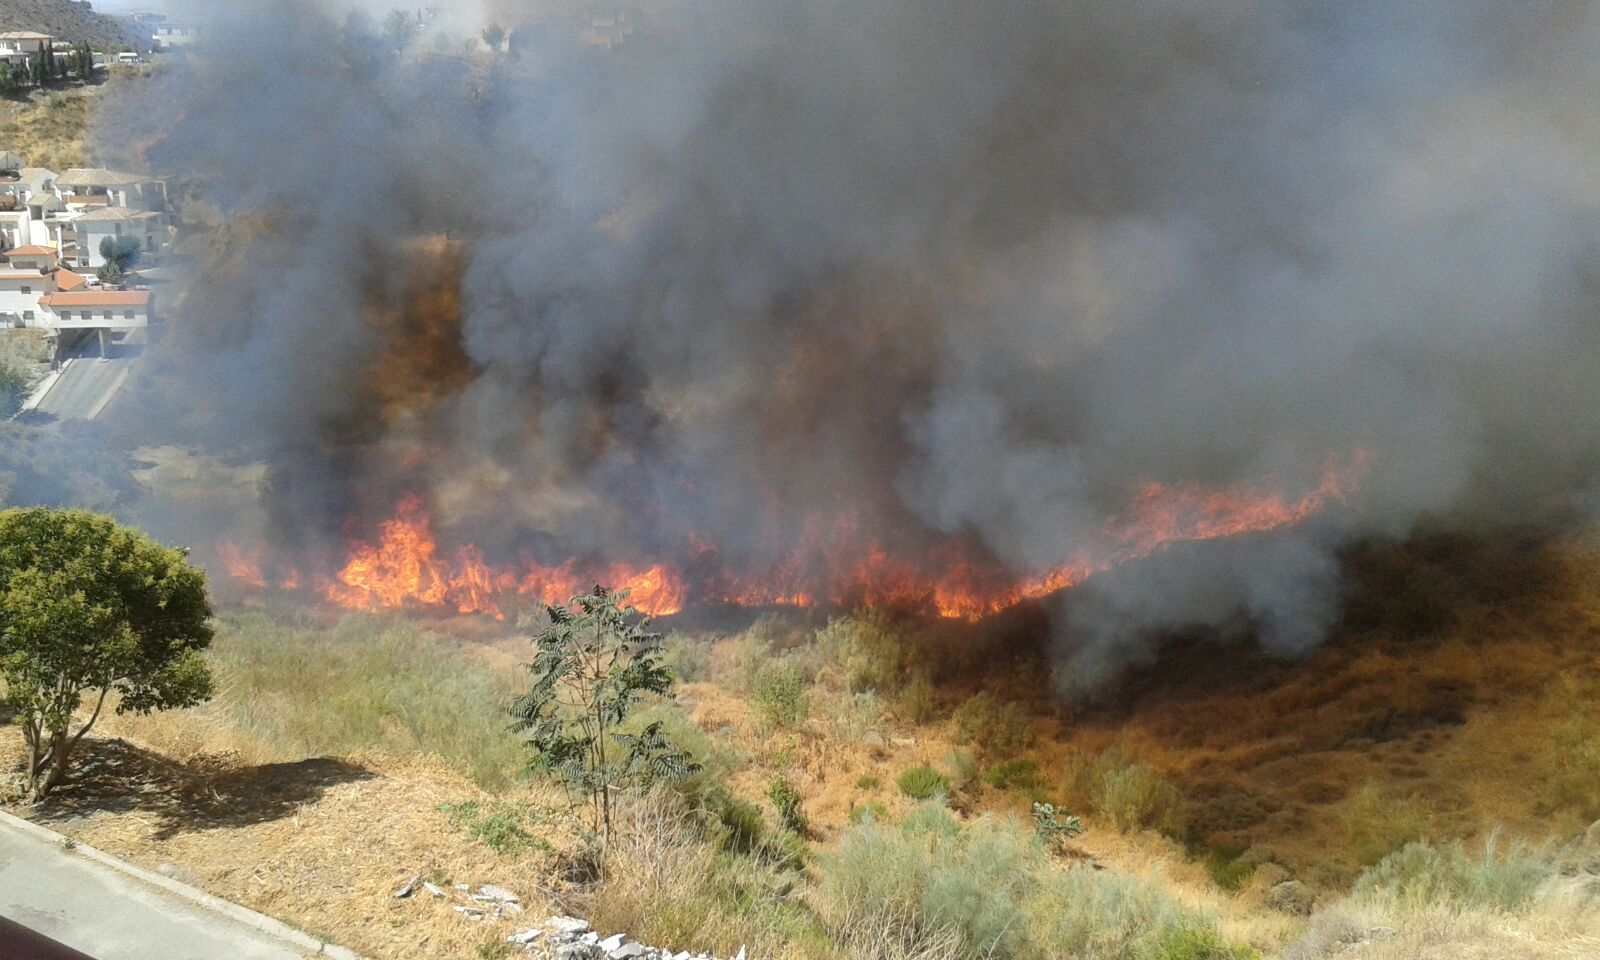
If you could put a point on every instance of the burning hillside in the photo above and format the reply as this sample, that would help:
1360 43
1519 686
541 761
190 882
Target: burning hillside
406 569
943 307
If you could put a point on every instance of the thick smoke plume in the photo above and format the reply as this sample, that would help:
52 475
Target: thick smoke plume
952 271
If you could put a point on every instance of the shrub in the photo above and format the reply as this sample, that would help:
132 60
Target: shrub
591 667
1021 774
1422 875
786 800
498 826
995 728
868 781
916 703
1376 826
963 767
1054 825
1194 943
989 890
1226 868
858 718
686 658
1132 795
922 783
875 812
865 651
779 696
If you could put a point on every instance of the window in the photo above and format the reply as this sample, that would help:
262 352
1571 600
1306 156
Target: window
105 314
26 289
27 314
127 314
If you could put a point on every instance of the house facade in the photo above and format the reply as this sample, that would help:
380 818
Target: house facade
94 228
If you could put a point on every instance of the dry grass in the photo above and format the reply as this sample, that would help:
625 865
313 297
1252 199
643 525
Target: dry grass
1420 718
49 129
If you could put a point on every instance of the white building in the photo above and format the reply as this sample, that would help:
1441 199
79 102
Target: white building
96 185
24 43
93 228
20 292
169 36
105 312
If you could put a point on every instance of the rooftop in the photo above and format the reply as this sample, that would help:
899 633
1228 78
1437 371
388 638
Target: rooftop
114 214
98 298
25 35
31 251
99 177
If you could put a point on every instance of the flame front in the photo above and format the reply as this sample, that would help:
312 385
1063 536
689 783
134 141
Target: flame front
405 569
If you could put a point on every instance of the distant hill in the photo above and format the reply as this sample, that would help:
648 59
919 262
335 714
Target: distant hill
70 20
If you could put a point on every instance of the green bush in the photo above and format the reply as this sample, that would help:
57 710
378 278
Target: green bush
989 890
875 812
686 658
1128 793
779 696
498 826
995 728
1194 943
922 783
1421 875
963 767
916 703
1019 774
868 781
865 651
1226 869
1376 825
786 800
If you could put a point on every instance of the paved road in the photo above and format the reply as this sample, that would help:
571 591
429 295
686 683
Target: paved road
85 387
110 915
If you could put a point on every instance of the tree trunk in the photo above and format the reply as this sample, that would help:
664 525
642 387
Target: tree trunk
60 753
31 734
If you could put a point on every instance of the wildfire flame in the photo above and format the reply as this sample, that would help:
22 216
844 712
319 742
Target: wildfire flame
405 567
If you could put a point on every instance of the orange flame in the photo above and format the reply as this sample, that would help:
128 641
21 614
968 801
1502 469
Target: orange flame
405 569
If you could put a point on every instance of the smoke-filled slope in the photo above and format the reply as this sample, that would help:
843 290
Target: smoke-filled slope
774 288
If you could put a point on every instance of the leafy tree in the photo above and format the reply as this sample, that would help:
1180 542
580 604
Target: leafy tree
83 63
13 390
121 255
88 607
590 668
495 36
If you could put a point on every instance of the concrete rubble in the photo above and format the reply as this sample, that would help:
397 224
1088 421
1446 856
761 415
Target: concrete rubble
555 938
568 938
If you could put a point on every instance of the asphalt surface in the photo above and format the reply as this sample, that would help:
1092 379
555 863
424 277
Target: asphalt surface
90 907
85 387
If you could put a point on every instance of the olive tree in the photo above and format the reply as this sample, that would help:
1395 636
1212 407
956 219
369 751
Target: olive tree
591 667
89 608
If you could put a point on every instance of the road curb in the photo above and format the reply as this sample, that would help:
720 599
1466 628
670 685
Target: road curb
243 915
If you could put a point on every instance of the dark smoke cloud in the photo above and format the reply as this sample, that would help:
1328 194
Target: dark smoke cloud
971 270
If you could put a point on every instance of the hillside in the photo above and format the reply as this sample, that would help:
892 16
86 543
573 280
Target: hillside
70 20
1229 791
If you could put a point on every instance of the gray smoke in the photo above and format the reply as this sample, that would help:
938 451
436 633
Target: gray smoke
962 271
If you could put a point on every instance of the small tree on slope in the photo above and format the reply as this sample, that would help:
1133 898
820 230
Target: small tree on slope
88 607
591 667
